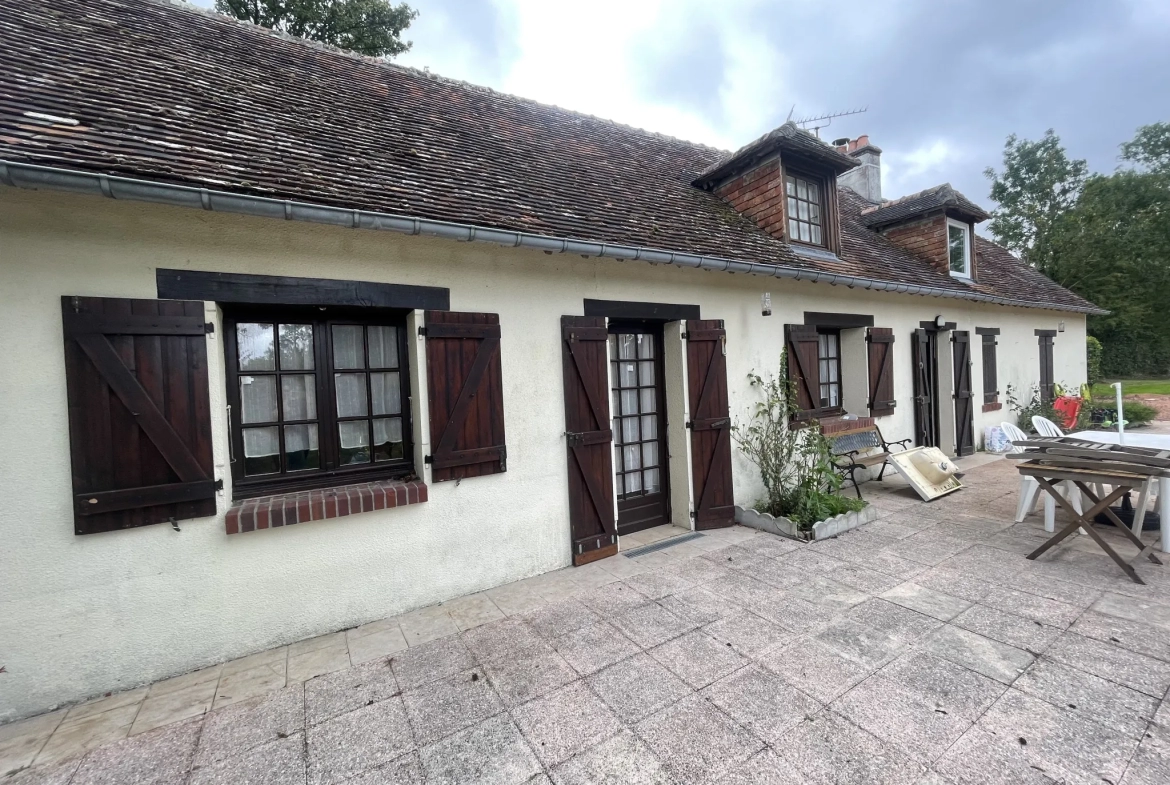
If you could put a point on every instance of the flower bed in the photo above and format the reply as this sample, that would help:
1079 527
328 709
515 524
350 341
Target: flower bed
820 530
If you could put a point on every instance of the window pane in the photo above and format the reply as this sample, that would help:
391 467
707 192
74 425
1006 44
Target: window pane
633 483
258 399
957 241
386 392
650 427
813 192
629 401
646 399
816 234
802 211
650 478
814 213
790 185
646 373
792 207
617 404
626 377
254 345
834 395
296 347
824 369
347 346
793 229
804 233
300 445
617 456
629 430
632 457
650 454
823 345
383 346
351 394
355 442
619 485
833 367
802 189
388 444
831 342
626 347
261 451
645 347
299 392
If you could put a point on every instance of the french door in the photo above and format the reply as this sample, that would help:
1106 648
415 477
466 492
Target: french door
639 426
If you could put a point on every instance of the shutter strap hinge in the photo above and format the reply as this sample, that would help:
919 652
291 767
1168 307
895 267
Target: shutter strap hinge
219 485
209 328
422 331
428 459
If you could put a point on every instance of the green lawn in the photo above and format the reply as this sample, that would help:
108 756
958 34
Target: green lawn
1134 387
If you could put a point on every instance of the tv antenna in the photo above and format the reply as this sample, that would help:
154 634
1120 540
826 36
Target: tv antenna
825 120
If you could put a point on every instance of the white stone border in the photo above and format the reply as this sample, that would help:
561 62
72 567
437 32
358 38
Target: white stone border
821 530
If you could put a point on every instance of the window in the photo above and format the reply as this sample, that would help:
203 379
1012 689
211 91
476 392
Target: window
806 209
316 401
829 361
959 248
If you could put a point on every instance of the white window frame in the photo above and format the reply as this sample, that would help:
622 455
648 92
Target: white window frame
966 229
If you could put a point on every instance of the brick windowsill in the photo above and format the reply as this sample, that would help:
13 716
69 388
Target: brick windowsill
992 407
285 509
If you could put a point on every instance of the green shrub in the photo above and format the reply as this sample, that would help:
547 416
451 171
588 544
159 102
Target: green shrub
1136 412
1093 352
795 462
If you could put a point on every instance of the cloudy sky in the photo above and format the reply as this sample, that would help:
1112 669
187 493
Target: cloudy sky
945 82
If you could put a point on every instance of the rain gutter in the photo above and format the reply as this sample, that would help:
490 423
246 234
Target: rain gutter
34 176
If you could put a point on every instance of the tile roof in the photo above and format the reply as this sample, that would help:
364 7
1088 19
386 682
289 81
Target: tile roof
168 93
787 138
940 197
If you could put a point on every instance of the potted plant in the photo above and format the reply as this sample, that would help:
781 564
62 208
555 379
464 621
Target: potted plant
801 483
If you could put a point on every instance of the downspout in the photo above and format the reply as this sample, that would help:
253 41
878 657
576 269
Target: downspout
33 176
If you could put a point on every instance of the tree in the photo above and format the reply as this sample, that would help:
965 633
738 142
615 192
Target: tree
1037 185
1113 248
1150 148
369 27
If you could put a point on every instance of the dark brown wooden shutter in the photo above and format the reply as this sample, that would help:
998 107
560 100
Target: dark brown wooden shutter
924 369
589 437
466 395
139 412
1047 382
990 370
964 400
881 371
804 369
710 423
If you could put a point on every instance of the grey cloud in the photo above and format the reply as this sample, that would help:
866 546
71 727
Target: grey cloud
967 73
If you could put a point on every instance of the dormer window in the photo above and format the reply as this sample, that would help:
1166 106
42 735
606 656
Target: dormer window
806 209
959 248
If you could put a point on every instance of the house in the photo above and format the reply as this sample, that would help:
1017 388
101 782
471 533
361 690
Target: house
456 337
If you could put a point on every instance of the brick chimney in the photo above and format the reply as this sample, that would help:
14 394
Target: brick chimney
866 179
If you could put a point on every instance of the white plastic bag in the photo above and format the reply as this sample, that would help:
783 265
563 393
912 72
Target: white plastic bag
995 440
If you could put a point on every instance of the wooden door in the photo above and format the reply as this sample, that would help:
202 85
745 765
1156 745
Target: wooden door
925 398
639 426
588 437
964 401
710 423
1047 380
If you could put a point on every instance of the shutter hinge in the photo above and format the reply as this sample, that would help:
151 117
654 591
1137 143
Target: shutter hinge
428 459
422 332
504 459
685 336
209 328
219 485
688 423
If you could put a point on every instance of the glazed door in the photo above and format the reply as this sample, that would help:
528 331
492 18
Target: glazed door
639 426
925 355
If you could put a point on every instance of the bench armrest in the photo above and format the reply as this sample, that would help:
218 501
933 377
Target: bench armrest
905 443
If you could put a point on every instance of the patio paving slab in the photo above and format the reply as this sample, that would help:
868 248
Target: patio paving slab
591 648
529 675
926 601
983 655
1089 696
1112 662
565 722
638 687
698 659
696 741
439 708
275 763
621 760
491 753
161 757
349 745
761 701
338 693
814 668
1138 636
244 726
830 750
1031 636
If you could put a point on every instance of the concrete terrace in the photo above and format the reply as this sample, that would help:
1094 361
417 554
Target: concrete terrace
922 648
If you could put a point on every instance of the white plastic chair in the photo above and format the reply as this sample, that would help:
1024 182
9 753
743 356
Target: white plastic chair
1029 488
1046 427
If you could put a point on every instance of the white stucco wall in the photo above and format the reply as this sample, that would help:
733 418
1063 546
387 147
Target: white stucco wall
81 616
